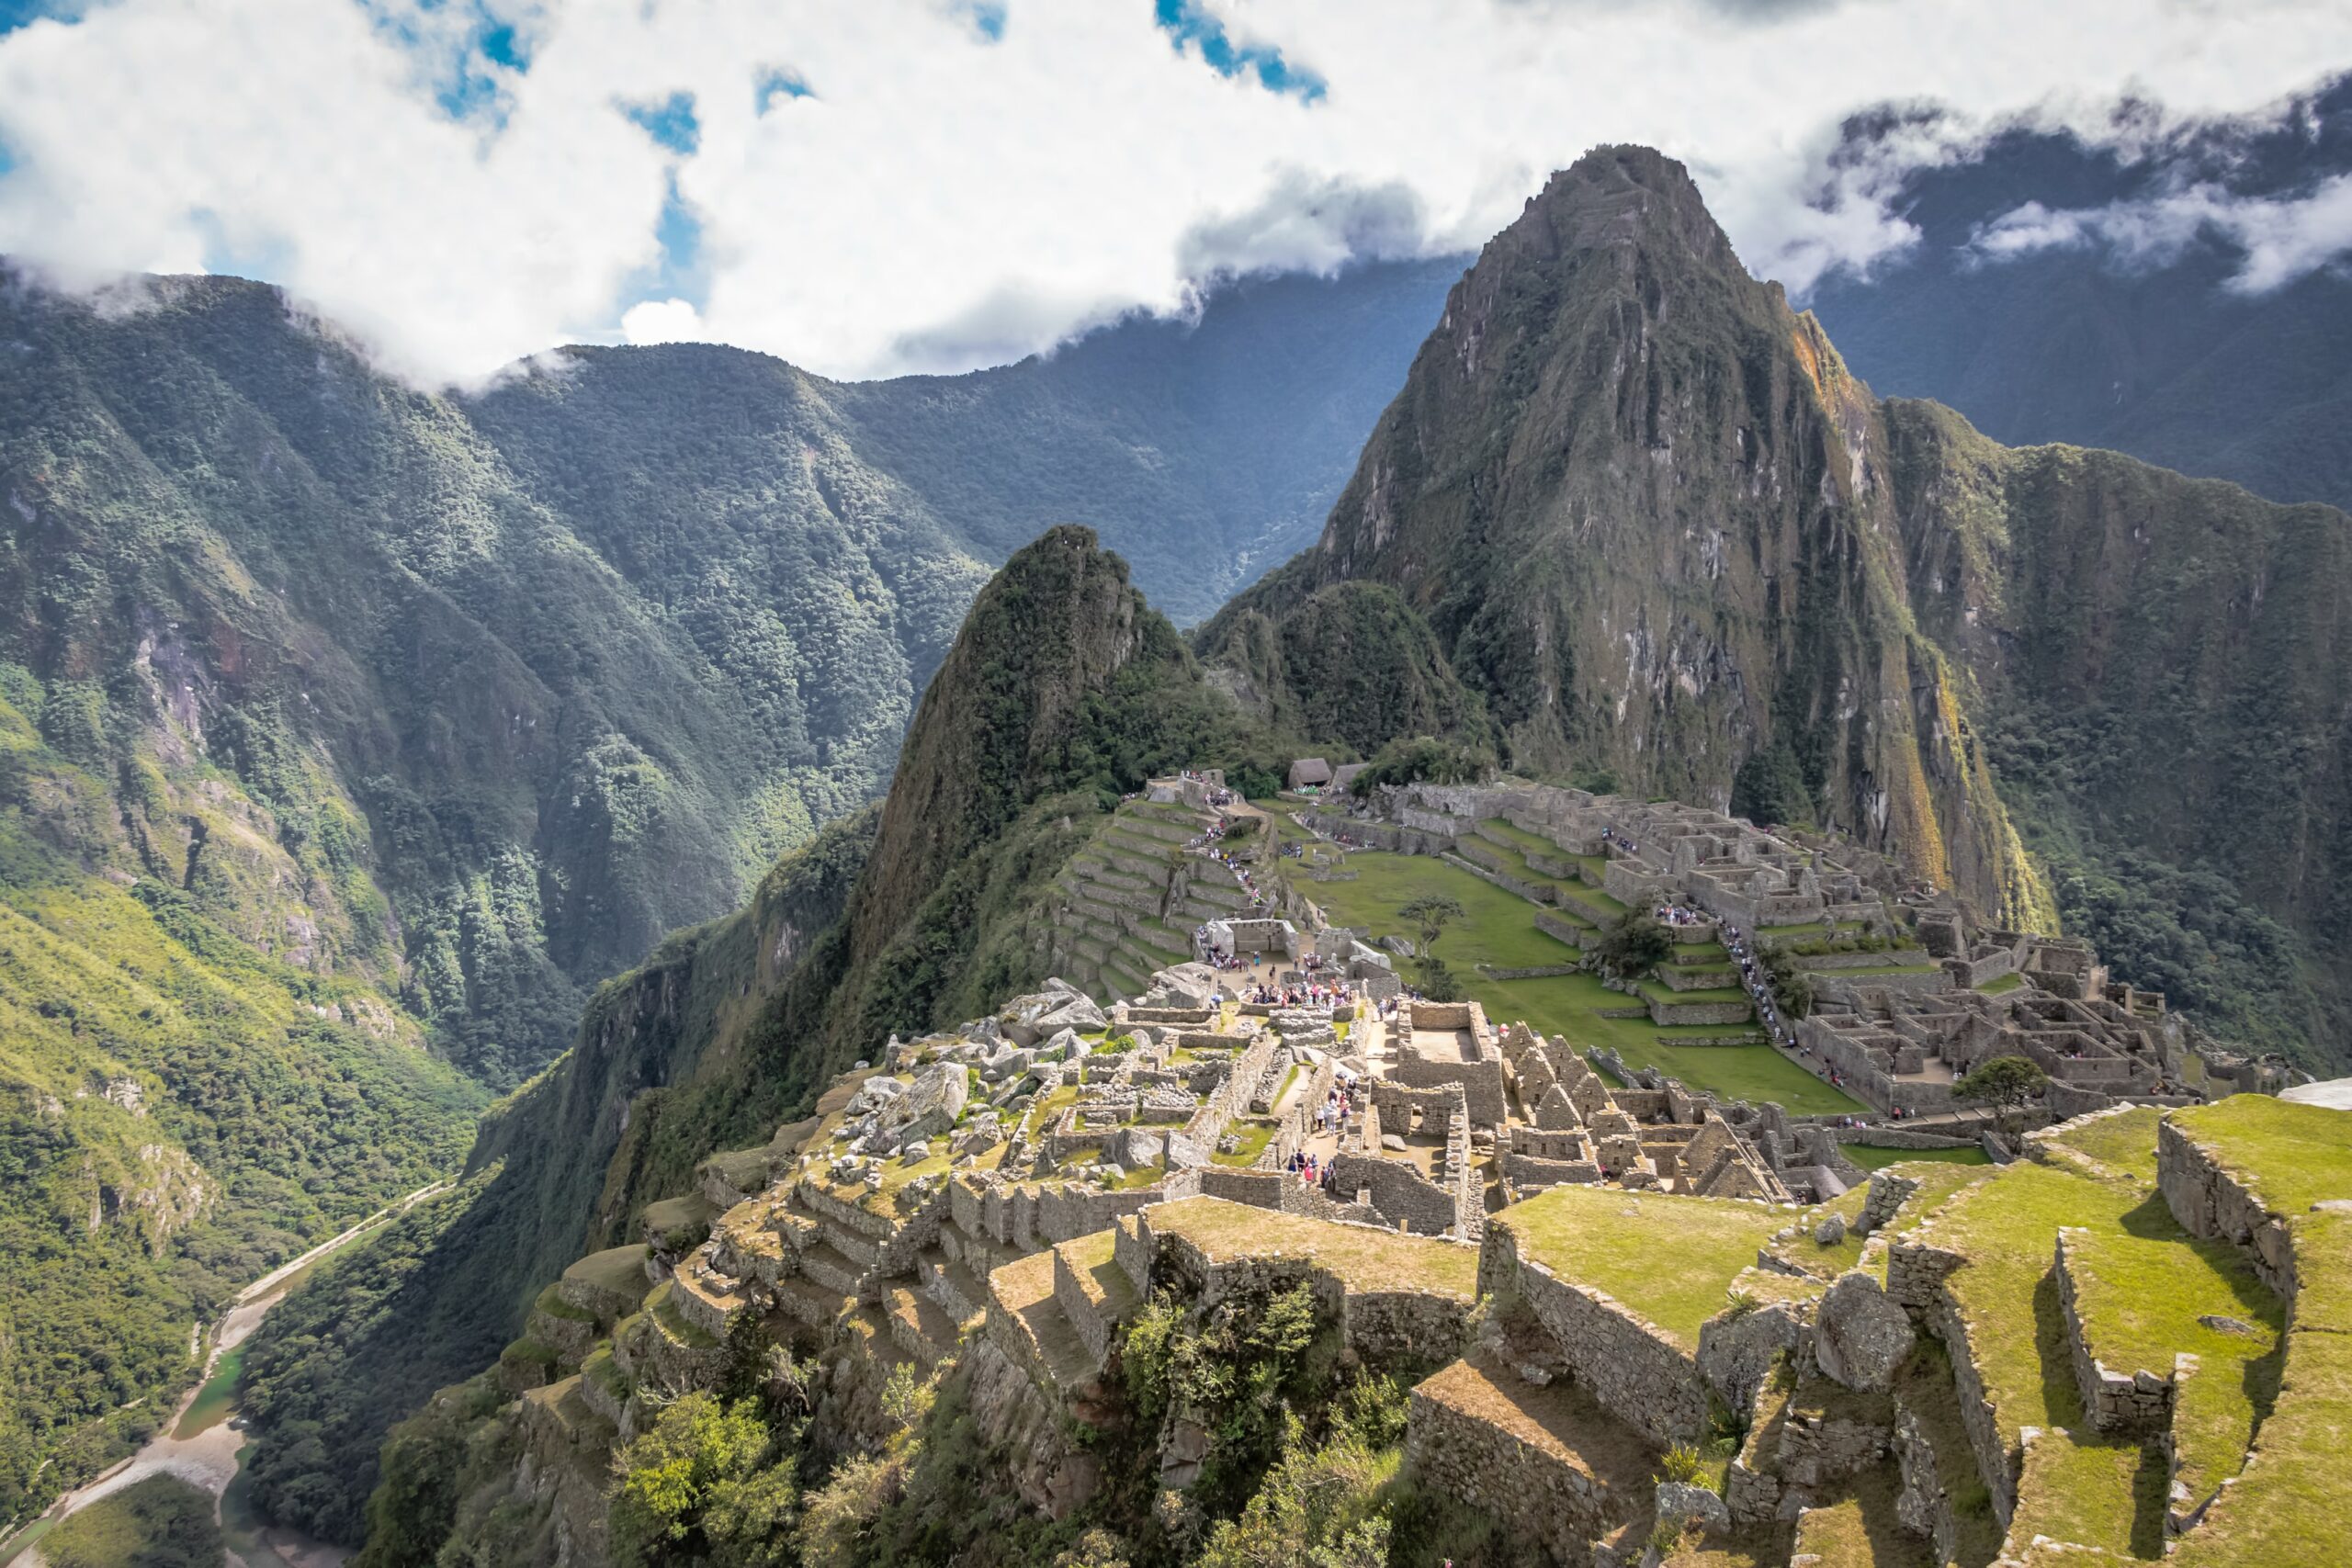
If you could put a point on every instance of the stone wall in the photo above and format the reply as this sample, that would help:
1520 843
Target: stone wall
1379 1326
1632 1366
1540 1500
2210 1201
1665 1013
2137 1404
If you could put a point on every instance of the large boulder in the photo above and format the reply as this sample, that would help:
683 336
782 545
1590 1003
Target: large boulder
1860 1336
934 1100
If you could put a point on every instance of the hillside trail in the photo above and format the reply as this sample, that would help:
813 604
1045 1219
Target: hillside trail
209 1458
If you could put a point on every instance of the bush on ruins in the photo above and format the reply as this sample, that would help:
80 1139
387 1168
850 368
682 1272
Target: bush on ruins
1633 945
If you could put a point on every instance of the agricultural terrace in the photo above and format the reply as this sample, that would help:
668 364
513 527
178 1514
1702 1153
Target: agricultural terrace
1498 928
1360 1258
2148 1291
1672 1260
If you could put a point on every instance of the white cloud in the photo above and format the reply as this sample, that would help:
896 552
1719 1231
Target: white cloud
662 321
937 199
2278 239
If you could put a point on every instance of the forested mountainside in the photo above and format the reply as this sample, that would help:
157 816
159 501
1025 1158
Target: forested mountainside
2122 341
1661 531
1063 691
353 734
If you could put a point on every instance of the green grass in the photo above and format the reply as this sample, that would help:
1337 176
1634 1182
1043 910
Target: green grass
2141 1298
1567 1005
1672 1260
2002 985
216 1399
1252 1138
2294 1156
2078 1486
160 1522
1873 1158
1498 927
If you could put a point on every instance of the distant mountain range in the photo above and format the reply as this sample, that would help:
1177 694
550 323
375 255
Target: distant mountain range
2148 351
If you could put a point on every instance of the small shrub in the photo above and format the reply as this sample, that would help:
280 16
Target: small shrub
1682 1462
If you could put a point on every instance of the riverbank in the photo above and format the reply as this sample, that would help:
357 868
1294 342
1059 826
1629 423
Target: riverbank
201 1443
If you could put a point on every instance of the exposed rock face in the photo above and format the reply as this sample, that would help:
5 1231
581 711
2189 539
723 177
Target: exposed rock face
1860 1336
1649 517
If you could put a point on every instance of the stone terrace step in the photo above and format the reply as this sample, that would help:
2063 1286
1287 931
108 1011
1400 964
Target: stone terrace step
920 1327
804 1300
1121 980
824 1264
1023 1291
954 1288
1093 1292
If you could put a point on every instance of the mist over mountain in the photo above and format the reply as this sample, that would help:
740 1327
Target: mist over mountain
2112 296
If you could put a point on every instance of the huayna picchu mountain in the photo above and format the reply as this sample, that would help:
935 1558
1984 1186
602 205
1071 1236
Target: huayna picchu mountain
1655 527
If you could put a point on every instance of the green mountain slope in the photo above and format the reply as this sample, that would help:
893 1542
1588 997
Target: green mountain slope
434 712
179 1111
1654 524
1064 689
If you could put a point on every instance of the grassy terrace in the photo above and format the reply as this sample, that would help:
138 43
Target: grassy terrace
1362 1258
1870 1158
1252 1138
2146 1284
621 1269
2290 1508
1500 929
1672 1260
2294 1156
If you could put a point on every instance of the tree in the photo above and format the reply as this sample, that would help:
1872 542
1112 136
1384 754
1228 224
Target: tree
1633 945
1430 915
2006 1083
1790 986
1437 981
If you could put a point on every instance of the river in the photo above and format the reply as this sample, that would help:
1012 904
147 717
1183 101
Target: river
202 1441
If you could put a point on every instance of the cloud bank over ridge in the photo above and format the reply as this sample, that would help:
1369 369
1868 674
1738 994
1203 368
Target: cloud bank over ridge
931 185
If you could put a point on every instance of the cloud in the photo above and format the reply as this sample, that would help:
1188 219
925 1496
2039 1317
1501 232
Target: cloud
661 321
2275 239
872 187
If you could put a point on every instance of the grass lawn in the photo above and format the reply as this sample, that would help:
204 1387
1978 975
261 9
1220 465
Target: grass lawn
1873 1158
1363 1258
2002 985
1498 927
1672 1260
1567 1004
1252 1138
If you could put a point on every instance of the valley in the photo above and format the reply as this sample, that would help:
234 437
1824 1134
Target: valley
1701 977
